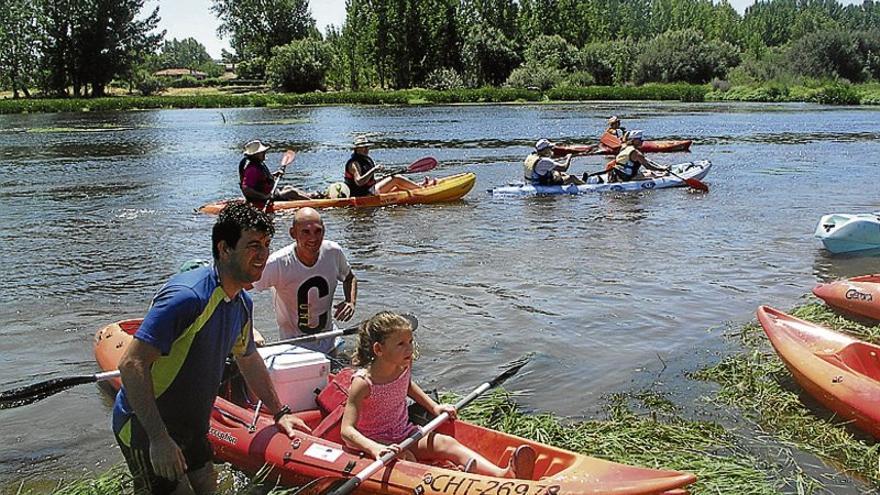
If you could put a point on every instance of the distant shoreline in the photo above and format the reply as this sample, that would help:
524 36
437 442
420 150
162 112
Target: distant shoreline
839 94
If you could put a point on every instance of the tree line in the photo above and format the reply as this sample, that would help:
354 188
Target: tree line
77 47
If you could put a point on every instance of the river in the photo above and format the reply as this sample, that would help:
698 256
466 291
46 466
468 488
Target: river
97 210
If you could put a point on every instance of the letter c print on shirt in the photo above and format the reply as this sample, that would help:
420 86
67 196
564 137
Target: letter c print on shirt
302 309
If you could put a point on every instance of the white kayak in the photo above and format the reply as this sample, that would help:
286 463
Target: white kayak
842 233
689 170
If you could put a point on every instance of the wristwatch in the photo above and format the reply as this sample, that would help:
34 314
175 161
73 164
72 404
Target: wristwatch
284 411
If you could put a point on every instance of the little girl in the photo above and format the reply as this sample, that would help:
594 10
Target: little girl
375 419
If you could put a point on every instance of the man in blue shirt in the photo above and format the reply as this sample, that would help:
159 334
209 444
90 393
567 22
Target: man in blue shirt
173 367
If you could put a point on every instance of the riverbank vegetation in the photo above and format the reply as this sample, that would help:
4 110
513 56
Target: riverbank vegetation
778 50
773 451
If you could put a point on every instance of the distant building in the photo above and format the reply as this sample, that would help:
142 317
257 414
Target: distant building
178 73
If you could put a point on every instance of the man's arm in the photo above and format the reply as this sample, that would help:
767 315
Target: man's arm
563 167
345 309
255 374
135 370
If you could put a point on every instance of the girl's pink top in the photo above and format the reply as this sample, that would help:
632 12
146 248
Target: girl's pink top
383 415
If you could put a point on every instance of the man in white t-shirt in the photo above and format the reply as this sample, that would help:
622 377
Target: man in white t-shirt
304 276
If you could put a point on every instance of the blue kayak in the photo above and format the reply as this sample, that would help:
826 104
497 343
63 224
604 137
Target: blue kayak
689 170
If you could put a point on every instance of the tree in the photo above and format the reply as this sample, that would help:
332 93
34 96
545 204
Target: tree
19 42
489 56
257 26
828 54
686 56
300 66
186 53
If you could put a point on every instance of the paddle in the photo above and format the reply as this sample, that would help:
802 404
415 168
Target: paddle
424 164
694 183
29 394
286 160
341 486
610 141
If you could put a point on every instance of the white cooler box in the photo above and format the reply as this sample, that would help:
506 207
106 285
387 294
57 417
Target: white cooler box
296 373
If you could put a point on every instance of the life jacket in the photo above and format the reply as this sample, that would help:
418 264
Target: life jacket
363 163
626 167
618 133
529 173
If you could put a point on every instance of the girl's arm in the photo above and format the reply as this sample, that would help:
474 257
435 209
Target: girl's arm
422 399
350 435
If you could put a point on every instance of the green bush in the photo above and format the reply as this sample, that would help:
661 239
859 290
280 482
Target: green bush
829 53
534 76
579 79
837 94
300 66
150 85
684 56
444 79
183 82
552 52
254 68
593 58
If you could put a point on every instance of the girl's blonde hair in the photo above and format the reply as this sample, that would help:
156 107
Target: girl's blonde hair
376 330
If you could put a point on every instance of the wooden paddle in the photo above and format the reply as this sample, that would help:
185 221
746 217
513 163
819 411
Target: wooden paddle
423 164
694 183
341 486
286 159
29 394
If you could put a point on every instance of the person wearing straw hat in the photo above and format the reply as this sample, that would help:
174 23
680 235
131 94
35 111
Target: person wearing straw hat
540 170
627 164
614 128
360 173
256 181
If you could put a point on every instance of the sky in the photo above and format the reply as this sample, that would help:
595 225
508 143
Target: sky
194 19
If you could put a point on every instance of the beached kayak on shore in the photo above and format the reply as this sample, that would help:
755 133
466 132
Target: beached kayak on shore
857 295
689 170
839 371
450 188
251 441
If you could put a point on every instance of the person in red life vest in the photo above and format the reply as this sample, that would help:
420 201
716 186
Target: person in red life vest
614 128
361 170
256 181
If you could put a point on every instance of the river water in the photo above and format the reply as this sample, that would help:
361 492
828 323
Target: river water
97 210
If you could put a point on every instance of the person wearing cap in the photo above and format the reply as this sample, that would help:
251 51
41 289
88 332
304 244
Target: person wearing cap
303 277
360 173
614 128
541 170
257 182
630 159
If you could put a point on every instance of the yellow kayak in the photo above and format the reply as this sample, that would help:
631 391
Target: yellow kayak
446 189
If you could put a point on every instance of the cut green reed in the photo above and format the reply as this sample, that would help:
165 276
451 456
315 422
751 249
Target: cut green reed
756 382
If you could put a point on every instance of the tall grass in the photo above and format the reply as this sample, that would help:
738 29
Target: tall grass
757 383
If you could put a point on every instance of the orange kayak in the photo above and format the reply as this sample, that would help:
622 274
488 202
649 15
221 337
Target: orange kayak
841 372
450 188
858 295
310 456
668 146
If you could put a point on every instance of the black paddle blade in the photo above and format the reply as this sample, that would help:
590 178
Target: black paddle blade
29 394
321 486
509 372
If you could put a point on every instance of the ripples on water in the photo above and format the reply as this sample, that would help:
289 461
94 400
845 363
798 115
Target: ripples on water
97 212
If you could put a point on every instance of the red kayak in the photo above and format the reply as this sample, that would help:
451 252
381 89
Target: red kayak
249 444
858 295
600 149
841 372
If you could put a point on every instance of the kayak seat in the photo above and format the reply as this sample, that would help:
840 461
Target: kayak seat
862 358
330 428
